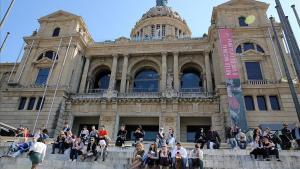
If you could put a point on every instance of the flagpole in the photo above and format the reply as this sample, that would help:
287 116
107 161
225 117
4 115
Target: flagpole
296 14
6 13
3 43
288 75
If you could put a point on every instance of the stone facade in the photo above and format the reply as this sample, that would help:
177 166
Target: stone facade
81 62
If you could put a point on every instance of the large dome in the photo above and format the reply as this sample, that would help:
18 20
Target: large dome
160 22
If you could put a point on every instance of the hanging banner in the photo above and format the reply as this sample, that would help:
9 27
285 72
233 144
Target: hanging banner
233 83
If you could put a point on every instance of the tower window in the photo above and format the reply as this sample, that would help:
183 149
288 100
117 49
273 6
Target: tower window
249 103
274 103
261 101
22 103
253 71
42 76
31 103
163 32
158 30
39 102
152 31
56 32
242 21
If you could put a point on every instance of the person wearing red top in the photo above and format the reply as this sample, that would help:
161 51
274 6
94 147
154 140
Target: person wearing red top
103 134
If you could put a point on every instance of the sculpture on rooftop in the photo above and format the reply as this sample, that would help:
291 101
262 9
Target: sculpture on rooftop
161 2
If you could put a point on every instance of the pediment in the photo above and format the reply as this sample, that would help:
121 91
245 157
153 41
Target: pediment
44 61
59 15
233 3
252 52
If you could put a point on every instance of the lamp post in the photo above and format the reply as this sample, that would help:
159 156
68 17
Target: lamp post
290 37
6 13
3 43
288 75
296 14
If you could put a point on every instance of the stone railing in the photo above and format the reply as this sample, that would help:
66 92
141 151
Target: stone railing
143 94
260 82
35 86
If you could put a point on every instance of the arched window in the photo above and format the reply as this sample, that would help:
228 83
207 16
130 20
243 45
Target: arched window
249 46
102 80
191 81
146 81
242 21
56 32
49 54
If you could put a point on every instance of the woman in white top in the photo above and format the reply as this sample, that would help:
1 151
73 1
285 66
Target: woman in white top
196 157
37 152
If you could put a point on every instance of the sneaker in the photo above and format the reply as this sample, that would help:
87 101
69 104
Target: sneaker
278 160
268 159
74 160
70 159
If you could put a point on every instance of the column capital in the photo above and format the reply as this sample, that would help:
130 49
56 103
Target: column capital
126 54
176 53
164 53
115 55
206 52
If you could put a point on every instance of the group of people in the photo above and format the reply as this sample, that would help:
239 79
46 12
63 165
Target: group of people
164 158
211 138
236 138
90 140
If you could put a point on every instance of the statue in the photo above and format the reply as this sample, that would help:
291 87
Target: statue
161 2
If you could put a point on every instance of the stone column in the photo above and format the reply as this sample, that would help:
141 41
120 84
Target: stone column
124 74
113 72
208 73
84 76
164 72
175 71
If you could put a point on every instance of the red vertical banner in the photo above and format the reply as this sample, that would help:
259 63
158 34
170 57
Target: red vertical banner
232 77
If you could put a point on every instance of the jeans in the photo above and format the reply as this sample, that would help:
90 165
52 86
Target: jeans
191 164
60 146
183 163
233 143
73 154
212 145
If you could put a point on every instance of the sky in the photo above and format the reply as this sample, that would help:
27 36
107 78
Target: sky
110 19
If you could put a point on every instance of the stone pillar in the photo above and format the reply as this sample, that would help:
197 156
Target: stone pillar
164 72
208 73
124 74
113 72
84 76
175 71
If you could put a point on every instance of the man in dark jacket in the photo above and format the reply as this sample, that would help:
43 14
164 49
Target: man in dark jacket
286 137
139 134
213 139
200 138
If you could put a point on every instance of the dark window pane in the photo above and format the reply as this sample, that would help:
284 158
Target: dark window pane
261 101
50 55
22 103
41 56
249 103
42 76
39 102
260 49
239 49
253 71
248 46
274 103
102 80
146 81
242 21
191 80
31 103
56 32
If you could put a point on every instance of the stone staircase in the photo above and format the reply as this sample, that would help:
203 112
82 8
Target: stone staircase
120 158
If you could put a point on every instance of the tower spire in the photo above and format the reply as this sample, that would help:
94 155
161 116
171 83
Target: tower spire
161 2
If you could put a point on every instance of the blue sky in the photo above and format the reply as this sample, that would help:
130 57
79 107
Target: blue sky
108 20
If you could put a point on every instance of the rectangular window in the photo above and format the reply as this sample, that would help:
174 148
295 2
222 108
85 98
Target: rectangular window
274 103
253 71
22 103
262 105
249 103
163 32
176 32
152 31
39 102
158 31
31 103
42 76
